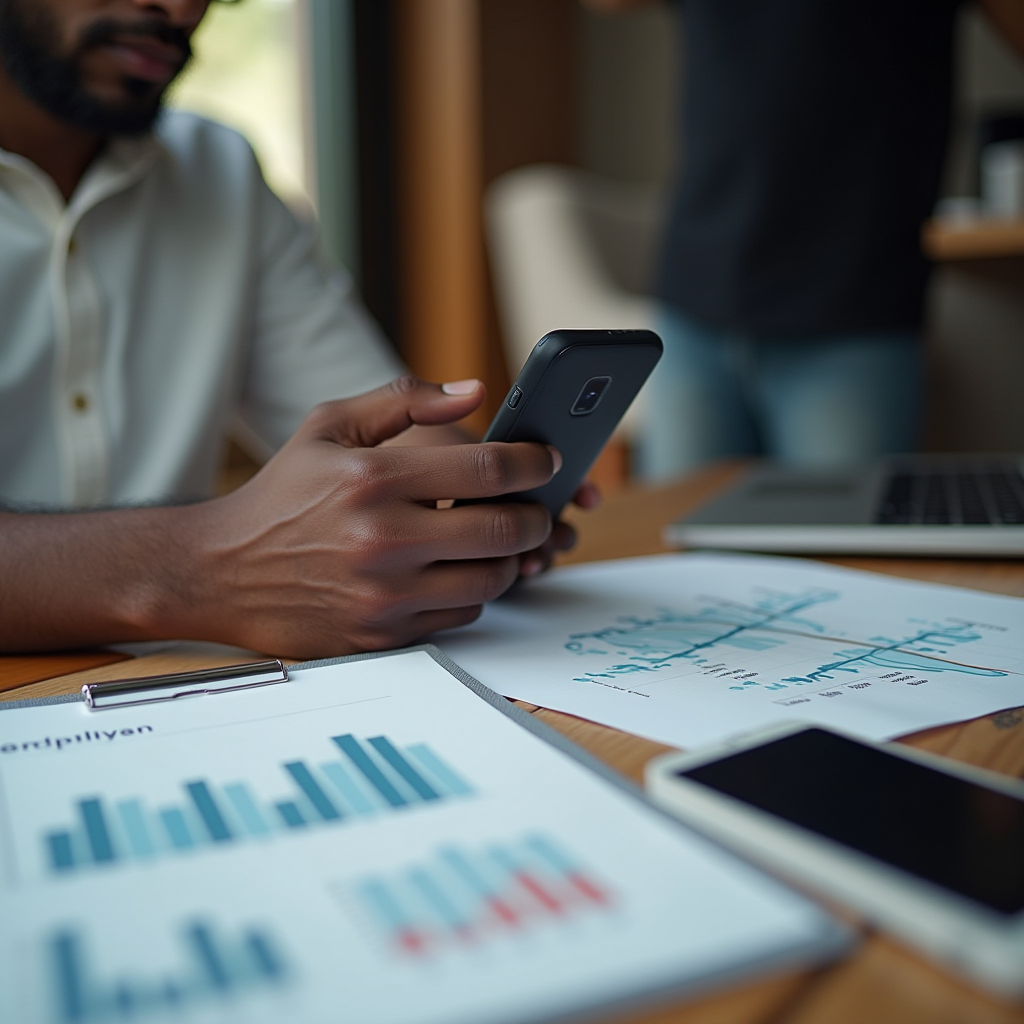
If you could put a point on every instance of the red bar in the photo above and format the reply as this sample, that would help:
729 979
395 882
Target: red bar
503 910
412 941
585 886
539 892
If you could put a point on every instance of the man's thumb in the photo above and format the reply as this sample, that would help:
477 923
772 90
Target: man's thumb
366 420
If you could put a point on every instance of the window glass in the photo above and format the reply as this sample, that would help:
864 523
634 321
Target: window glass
246 73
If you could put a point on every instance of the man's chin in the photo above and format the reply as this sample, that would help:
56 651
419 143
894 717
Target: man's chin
135 116
134 109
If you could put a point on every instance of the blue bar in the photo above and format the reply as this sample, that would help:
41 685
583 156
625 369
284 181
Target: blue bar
448 778
61 856
124 999
177 829
67 968
551 854
355 753
96 829
266 960
355 797
432 893
378 894
466 872
291 814
387 750
171 994
134 821
504 860
317 797
202 941
247 810
80 846
209 812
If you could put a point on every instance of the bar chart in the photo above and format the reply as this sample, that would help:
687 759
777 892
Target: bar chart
372 777
215 969
465 897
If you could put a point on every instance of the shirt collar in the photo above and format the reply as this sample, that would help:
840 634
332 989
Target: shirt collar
119 165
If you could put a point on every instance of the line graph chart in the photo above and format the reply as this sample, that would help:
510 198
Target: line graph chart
693 648
651 645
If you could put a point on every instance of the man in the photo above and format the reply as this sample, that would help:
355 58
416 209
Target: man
791 277
151 287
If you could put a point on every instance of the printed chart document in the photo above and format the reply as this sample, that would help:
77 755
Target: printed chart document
369 842
689 649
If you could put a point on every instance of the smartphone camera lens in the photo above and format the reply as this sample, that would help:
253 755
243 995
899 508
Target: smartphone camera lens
592 393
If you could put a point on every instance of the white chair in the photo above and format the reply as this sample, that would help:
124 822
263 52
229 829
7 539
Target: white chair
571 249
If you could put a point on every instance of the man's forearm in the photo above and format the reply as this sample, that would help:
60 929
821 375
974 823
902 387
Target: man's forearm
337 545
82 578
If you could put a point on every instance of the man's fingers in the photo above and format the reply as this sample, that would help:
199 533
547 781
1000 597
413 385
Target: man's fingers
484 531
468 470
426 623
563 537
429 535
447 585
366 420
406 630
444 595
588 496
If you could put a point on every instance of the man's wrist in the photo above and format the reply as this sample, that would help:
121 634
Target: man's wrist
165 595
85 578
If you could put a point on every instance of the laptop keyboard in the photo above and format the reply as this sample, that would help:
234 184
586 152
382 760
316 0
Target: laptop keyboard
943 496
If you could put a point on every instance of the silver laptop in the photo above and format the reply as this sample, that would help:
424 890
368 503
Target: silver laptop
967 505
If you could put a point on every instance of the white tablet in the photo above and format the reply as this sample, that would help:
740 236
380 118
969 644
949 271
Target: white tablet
929 849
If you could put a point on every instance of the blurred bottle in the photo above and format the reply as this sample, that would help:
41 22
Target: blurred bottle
1002 179
1000 167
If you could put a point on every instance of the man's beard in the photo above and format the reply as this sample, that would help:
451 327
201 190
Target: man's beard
30 52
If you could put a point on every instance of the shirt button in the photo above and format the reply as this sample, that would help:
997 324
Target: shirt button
80 401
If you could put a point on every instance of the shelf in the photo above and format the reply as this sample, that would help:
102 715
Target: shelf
972 239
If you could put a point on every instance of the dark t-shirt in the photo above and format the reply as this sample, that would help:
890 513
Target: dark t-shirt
813 140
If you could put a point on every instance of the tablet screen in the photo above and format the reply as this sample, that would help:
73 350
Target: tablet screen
951 832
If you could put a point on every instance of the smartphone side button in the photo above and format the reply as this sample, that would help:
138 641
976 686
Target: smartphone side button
513 397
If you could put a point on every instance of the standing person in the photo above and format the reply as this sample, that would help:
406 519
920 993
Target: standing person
791 278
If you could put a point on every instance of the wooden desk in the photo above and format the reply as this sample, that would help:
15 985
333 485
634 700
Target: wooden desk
880 982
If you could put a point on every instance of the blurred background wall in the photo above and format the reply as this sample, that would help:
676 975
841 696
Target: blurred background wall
976 323
394 118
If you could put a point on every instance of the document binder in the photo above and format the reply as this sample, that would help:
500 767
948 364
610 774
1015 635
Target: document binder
400 850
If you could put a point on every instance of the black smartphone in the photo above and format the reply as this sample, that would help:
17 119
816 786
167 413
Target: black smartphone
571 394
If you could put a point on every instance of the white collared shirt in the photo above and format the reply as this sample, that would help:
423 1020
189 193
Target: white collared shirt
172 293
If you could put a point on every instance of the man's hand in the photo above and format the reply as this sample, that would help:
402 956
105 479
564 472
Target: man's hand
335 546
563 536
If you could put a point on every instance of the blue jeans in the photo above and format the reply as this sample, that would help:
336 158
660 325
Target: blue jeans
813 401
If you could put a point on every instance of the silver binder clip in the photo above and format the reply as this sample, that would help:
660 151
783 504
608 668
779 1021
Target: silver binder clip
149 689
